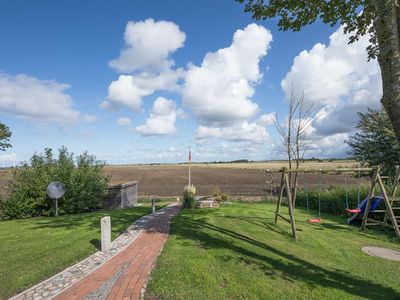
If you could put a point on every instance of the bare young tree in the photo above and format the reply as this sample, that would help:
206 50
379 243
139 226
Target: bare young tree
294 133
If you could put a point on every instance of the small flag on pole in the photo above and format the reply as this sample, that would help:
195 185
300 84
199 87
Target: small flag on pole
190 155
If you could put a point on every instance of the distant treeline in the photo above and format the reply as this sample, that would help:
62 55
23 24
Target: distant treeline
312 159
237 161
265 161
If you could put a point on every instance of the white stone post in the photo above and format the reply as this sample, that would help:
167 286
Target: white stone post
153 205
105 234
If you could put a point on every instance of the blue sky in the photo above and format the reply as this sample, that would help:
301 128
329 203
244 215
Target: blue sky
140 81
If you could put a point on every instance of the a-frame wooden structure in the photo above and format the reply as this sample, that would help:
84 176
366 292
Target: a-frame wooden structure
391 216
286 186
392 213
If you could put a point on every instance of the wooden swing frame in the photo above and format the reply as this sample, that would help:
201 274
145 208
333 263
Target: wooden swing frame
285 185
389 214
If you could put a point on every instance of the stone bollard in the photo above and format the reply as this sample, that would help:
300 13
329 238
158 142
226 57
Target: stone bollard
153 205
105 234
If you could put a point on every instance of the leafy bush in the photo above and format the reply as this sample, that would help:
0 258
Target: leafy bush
224 197
216 193
219 196
188 196
86 185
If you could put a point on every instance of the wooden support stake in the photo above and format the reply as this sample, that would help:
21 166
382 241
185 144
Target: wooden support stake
278 205
395 186
284 218
291 212
285 184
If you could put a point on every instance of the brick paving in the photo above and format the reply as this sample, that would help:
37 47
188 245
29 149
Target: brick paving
132 265
131 258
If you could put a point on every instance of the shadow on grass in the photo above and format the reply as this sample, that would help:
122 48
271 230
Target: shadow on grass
96 243
285 266
257 222
332 226
119 219
340 224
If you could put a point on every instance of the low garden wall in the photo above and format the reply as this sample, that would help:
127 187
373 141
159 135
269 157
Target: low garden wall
122 195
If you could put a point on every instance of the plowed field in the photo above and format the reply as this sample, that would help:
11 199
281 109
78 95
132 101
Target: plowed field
164 180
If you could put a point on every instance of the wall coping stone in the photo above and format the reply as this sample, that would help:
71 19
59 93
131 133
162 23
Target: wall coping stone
123 185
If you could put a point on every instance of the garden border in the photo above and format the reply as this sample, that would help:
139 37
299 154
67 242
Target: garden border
59 282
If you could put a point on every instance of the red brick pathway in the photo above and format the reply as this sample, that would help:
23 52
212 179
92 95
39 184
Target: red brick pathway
137 260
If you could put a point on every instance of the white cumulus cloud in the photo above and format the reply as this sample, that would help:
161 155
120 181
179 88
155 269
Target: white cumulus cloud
161 120
89 118
8 159
340 81
329 146
124 92
148 45
124 121
128 90
336 72
266 119
35 99
255 131
219 91
243 131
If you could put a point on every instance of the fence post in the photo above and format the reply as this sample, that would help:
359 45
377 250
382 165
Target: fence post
105 234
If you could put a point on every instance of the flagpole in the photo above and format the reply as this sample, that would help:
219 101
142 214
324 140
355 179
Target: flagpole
190 160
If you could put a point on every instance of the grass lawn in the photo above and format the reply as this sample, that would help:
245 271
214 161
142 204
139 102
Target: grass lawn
34 249
237 252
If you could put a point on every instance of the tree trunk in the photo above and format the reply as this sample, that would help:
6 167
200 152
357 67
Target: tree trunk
386 25
289 141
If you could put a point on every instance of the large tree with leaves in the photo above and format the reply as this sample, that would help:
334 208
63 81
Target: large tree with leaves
379 18
5 135
374 142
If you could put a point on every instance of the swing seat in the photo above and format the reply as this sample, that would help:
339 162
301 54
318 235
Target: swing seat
353 211
314 221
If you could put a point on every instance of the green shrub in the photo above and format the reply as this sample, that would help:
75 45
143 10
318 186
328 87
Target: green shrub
188 196
224 197
86 185
219 196
216 193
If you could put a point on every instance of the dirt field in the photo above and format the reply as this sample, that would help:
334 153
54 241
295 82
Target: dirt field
169 180
241 179
279 164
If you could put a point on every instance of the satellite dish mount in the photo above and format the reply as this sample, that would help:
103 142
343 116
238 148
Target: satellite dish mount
55 190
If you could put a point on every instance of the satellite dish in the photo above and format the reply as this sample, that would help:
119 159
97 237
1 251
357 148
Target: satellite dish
55 189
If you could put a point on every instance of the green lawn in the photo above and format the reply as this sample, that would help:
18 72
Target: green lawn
237 252
34 249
